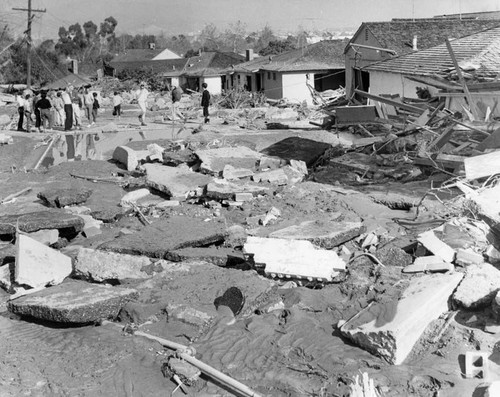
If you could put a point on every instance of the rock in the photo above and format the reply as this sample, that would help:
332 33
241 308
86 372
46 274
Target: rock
270 163
110 127
493 255
73 302
479 286
323 233
46 236
213 161
220 189
430 264
132 197
297 148
495 307
99 266
299 165
175 182
160 238
466 257
179 157
129 157
155 152
231 174
294 258
63 197
236 237
277 177
390 330
436 246
168 204
92 226
34 221
38 265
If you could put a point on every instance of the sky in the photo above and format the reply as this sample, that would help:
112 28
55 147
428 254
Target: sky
174 17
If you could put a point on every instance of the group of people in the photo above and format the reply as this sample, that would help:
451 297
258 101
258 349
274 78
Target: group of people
57 108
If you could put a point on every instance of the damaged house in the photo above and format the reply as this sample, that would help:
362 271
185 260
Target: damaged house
478 56
379 41
292 74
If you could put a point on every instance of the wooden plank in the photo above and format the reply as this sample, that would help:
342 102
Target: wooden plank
492 142
462 80
461 94
442 139
482 166
461 147
388 101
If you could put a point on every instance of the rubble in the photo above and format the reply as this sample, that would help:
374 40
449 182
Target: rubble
63 197
479 286
391 329
129 157
35 221
75 302
213 161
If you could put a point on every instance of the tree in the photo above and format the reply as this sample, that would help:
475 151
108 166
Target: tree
279 46
234 37
266 35
210 38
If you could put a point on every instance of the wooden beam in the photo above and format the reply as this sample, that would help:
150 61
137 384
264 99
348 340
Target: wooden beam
462 94
388 101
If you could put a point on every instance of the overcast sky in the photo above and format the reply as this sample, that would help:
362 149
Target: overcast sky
184 16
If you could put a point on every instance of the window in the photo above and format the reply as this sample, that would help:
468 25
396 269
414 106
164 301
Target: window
269 75
274 75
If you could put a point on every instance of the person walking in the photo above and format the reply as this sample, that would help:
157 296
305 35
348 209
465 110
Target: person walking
95 107
20 110
205 102
117 104
88 104
68 109
142 97
44 106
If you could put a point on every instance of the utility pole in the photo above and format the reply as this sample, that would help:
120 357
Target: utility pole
28 33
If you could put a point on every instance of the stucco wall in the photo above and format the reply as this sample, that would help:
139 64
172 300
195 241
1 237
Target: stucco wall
394 83
214 84
273 88
295 88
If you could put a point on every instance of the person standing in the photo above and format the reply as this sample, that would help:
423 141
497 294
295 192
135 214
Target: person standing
142 97
205 102
44 106
20 110
117 104
59 108
88 102
28 107
68 109
77 99
95 107
38 119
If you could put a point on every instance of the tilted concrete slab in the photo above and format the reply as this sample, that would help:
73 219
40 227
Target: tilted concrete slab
213 161
294 258
34 221
73 302
390 330
38 265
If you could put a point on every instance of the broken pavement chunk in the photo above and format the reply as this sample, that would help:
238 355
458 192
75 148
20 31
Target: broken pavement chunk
390 330
38 265
34 221
294 258
430 264
296 148
132 197
466 257
436 246
63 197
220 189
129 157
73 302
213 161
479 286
231 173
323 233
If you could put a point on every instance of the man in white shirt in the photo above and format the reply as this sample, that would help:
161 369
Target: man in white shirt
68 108
20 109
142 97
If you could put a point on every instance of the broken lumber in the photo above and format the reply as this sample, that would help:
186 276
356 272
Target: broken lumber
482 166
433 244
14 195
410 108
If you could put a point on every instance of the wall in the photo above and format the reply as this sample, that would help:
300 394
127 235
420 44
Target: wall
166 54
273 88
214 84
394 83
295 88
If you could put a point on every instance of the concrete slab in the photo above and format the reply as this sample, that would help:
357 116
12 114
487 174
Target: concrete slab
34 221
164 236
132 197
220 189
323 233
129 157
433 244
430 264
38 265
296 148
213 161
173 181
294 258
231 173
216 256
46 236
99 266
73 302
479 286
62 197
390 330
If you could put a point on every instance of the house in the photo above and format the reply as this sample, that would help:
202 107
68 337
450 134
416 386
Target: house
293 74
378 41
478 55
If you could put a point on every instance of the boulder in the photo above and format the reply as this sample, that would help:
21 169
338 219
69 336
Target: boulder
216 256
213 161
466 257
479 286
99 266
174 181
391 329
38 265
34 221
73 302
63 197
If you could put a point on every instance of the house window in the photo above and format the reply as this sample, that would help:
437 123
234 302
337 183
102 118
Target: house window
269 75
274 75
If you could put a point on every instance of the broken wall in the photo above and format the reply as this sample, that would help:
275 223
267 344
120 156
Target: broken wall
395 83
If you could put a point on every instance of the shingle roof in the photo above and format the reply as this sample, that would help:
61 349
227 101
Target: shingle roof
170 67
325 55
211 63
132 55
481 49
398 34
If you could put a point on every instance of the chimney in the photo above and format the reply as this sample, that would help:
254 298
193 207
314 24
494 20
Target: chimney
415 47
249 54
152 46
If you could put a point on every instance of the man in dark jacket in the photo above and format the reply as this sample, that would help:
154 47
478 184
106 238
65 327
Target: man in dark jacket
205 102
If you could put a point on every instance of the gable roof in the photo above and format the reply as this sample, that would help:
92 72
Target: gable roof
324 55
135 54
211 63
170 67
397 35
480 49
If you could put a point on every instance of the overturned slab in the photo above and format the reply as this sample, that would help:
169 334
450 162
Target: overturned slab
38 265
35 221
479 286
213 161
390 330
325 234
173 181
73 302
220 189
160 238
294 258
96 265
296 148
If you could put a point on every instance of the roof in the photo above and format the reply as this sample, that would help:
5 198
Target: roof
131 55
71 79
324 55
170 67
397 35
211 63
481 51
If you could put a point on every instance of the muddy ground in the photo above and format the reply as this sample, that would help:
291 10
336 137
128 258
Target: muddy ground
293 350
